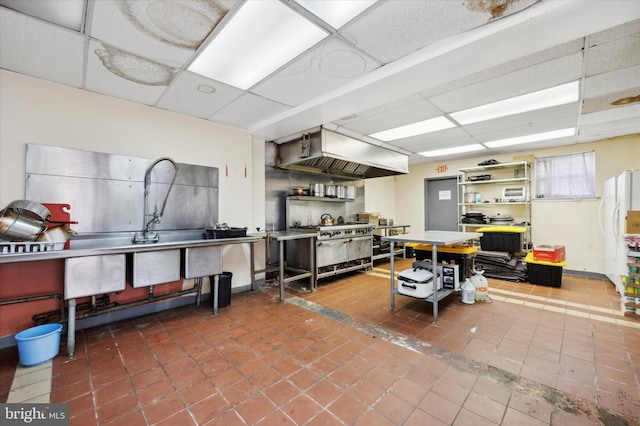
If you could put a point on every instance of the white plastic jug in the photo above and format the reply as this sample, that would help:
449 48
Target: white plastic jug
481 286
467 292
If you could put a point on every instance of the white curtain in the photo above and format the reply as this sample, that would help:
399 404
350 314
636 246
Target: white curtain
566 176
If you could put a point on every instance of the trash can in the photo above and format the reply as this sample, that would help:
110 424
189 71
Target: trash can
224 289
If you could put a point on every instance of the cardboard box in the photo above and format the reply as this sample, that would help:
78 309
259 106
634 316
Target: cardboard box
369 217
549 253
632 222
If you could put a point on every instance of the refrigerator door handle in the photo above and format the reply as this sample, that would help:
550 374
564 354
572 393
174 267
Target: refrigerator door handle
601 216
616 220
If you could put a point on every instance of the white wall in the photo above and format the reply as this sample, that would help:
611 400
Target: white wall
39 112
570 223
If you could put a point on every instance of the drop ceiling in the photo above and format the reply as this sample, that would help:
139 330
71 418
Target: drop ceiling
396 63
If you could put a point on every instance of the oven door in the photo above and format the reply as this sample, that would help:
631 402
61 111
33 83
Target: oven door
360 248
331 252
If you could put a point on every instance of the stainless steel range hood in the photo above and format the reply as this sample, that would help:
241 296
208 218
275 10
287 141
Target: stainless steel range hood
331 153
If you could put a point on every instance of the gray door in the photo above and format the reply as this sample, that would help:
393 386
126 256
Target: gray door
441 204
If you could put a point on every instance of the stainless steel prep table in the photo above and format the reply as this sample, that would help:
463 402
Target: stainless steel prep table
434 238
281 237
129 248
385 229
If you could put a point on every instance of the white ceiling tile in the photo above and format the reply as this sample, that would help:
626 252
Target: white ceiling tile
605 102
327 66
248 110
631 112
400 27
443 139
123 75
547 55
40 49
537 77
163 31
630 29
606 57
613 81
608 129
198 96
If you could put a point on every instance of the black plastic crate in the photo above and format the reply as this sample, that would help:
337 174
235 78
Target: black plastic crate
545 274
511 242
215 234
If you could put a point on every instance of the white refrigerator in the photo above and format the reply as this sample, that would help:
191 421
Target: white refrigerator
621 193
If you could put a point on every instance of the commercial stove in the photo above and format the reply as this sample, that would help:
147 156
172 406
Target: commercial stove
339 248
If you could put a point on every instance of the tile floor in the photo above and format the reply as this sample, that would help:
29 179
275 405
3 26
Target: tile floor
533 355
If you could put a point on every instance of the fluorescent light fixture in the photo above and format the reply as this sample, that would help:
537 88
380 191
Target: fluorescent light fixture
336 13
414 129
68 13
562 133
546 98
259 39
456 150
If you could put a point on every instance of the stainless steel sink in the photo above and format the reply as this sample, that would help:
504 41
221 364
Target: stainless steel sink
123 239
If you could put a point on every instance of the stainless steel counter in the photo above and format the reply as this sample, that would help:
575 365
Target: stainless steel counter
110 247
97 247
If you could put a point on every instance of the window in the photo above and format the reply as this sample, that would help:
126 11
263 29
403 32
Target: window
566 176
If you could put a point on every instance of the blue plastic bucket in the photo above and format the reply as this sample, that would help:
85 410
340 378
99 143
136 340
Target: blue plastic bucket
38 344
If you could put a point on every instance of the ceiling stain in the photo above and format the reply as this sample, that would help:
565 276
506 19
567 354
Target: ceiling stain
495 7
342 64
181 23
135 68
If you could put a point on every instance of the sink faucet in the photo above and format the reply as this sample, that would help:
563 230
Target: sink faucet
151 218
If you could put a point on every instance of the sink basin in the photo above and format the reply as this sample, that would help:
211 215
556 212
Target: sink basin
121 239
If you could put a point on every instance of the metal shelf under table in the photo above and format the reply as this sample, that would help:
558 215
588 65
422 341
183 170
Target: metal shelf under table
434 238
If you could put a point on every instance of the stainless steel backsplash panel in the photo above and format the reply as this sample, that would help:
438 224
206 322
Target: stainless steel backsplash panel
106 191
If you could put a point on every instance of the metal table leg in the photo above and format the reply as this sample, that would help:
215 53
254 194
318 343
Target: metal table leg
281 267
71 327
434 263
253 265
314 272
216 285
392 280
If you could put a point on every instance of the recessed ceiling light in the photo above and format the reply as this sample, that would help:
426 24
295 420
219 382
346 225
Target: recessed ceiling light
414 129
456 150
546 98
336 13
532 138
259 39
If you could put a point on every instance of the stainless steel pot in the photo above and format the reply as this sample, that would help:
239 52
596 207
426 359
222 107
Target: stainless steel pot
29 208
17 227
341 191
351 192
330 191
317 189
